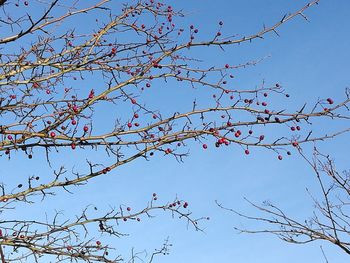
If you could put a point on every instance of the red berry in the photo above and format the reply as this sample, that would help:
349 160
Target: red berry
330 101
280 157
98 243
86 128
205 146
246 151
128 208
129 124
167 151
73 146
52 134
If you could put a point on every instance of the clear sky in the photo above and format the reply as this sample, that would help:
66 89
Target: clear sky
311 60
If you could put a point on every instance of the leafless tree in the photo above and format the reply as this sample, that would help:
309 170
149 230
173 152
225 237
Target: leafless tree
47 106
329 221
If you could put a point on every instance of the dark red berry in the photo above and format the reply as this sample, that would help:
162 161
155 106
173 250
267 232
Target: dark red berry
330 101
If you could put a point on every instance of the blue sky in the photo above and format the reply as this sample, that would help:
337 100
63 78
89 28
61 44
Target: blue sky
311 60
